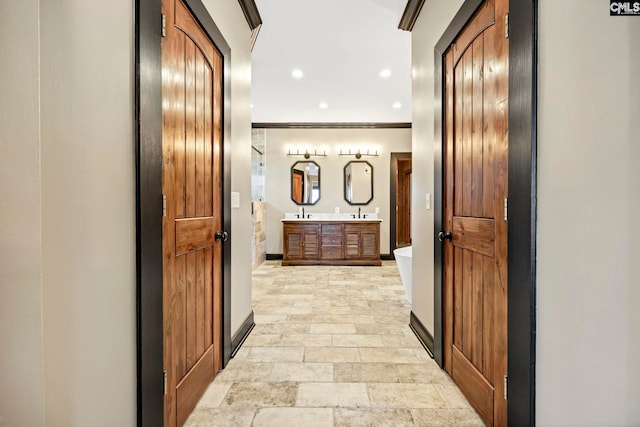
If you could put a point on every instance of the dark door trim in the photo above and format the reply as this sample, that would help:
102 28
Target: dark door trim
522 200
393 197
148 124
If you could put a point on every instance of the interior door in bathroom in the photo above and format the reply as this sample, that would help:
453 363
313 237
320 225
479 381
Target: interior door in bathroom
400 197
475 184
192 187
403 203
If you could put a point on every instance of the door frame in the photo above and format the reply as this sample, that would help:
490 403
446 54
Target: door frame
393 195
521 324
148 148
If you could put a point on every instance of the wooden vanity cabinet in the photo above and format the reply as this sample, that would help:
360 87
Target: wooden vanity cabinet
331 243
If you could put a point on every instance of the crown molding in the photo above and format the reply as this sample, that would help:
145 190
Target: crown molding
410 15
251 13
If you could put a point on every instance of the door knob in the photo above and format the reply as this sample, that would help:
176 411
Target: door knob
444 235
221 235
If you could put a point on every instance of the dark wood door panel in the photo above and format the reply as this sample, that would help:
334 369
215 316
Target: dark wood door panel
193 234
474 234
484 18
474 385
191 387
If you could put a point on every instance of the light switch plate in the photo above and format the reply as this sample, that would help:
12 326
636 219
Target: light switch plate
235 199
428 200
377 210
337 209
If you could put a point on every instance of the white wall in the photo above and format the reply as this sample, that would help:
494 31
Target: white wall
433 20
278 169
230 20
588 270
88 212
67 217
21 395
588 337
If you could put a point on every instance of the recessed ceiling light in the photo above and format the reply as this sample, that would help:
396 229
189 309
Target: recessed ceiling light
323 105
397 105
297 73
385 73
251 106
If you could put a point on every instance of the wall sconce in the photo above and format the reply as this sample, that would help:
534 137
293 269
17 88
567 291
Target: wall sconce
306 154
358 154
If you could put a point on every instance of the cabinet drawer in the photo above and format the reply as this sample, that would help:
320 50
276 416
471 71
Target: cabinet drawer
358 228
331 228
331 252
331 240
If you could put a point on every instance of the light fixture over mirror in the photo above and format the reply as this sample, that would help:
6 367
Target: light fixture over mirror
358 182
358 153
305 182
306 154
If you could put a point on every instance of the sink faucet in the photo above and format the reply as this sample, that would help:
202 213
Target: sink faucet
359 211
303 212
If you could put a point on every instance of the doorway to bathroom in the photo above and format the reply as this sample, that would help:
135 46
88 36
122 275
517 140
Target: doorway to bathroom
400 198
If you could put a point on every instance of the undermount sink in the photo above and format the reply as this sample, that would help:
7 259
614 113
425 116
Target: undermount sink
314 216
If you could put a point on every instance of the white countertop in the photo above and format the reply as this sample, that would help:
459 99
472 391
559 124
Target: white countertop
342 217
330 219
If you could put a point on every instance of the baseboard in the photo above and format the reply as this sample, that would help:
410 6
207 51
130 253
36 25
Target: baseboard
274 257
425 338
242 334
387 257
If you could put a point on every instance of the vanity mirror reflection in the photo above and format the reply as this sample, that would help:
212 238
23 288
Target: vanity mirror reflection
358 182
305 182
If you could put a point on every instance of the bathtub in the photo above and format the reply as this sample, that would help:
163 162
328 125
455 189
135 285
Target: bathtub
403 259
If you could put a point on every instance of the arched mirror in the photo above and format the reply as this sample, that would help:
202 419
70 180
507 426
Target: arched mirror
358 182
305 182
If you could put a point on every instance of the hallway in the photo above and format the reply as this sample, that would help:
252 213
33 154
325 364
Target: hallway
331 347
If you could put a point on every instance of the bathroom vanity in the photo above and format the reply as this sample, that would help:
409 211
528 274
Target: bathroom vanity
331 241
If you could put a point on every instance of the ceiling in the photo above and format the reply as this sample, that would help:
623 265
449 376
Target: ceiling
341 46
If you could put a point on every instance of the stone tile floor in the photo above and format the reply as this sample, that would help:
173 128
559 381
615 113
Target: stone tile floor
331 347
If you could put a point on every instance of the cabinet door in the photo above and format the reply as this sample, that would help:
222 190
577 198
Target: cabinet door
292 244
300 241
369 247
362 241
352 243
310 244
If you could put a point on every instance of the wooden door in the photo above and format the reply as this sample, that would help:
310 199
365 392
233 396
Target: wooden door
297 185
192 188
476 148
403 203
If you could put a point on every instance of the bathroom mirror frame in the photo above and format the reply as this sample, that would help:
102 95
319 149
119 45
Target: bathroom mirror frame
348 182
296 172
